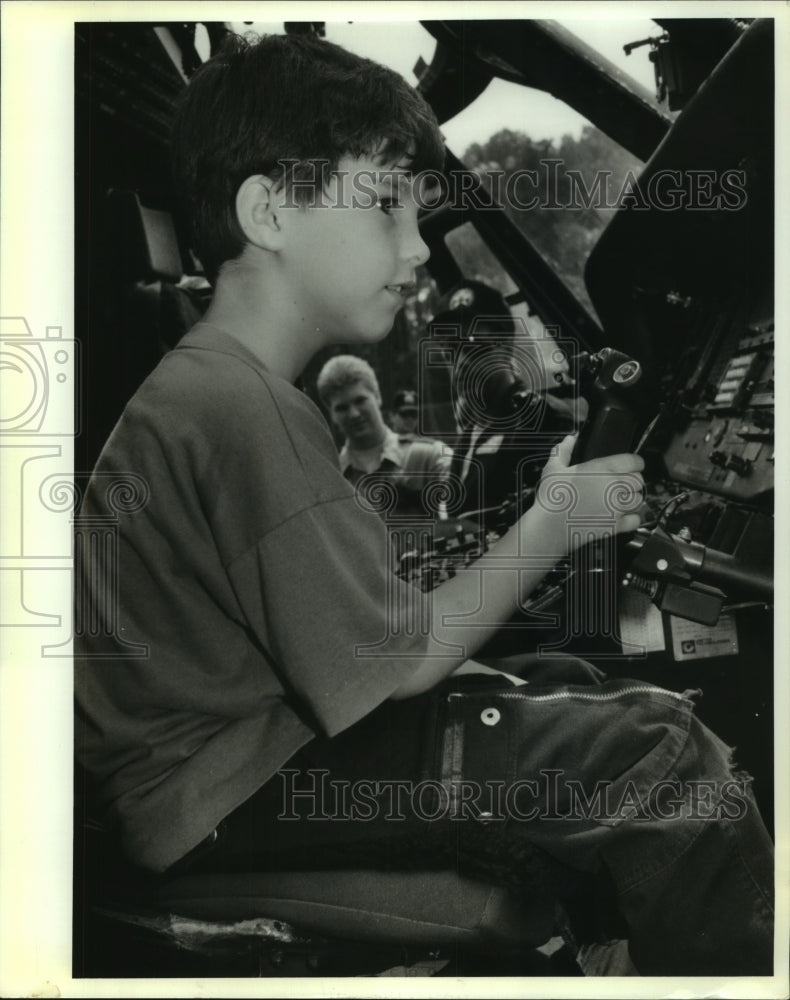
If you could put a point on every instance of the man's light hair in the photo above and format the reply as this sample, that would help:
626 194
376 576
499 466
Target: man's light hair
343 371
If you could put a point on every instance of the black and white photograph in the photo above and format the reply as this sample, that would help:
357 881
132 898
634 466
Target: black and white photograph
389 405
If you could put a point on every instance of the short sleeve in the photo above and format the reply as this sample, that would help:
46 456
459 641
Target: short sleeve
320 597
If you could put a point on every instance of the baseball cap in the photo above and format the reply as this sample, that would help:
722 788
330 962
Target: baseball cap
468 301
404 399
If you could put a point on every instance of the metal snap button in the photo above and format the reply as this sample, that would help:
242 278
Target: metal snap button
490 716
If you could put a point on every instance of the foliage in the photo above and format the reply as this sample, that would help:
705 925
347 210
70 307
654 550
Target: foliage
562 229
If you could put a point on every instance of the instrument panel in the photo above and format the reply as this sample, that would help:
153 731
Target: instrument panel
727 445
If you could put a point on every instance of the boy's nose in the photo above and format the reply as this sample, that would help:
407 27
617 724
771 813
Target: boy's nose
415 249
424 251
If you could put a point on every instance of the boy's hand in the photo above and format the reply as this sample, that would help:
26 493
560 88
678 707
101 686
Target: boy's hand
599 497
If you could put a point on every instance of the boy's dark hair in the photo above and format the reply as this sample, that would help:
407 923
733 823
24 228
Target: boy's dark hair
284 98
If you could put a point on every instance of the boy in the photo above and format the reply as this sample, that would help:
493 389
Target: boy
274 633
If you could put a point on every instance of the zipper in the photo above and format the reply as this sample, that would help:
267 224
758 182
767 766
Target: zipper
585 695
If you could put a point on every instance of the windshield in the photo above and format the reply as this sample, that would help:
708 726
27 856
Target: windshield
505 105
580 172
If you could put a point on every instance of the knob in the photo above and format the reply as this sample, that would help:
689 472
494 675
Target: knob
741 466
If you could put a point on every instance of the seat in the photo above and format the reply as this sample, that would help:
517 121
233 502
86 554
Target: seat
149 267
141 304
292 921
415 907
357 922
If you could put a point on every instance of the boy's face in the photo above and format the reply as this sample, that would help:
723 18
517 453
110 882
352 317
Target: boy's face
356 412
350 257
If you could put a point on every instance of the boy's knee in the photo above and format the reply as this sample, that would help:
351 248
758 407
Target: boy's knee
705 755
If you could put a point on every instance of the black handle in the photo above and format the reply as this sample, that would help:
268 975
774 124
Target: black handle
611 428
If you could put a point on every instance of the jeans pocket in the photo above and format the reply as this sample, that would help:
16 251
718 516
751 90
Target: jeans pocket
475 756
574 763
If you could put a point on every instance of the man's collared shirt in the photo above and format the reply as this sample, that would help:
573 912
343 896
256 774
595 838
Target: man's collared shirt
410 462
392 450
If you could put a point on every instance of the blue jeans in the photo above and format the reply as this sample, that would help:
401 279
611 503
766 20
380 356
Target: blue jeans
546 788
623 776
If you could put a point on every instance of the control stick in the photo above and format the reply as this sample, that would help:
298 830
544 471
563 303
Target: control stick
607 379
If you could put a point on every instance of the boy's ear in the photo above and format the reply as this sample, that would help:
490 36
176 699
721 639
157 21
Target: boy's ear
257 211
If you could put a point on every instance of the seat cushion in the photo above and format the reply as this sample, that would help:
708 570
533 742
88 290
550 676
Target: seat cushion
438 907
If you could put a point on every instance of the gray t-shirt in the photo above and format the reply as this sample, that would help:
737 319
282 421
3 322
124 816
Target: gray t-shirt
251 575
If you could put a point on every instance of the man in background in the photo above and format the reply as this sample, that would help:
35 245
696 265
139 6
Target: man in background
405 414
349 389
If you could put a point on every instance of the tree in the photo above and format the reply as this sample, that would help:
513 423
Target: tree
567 187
